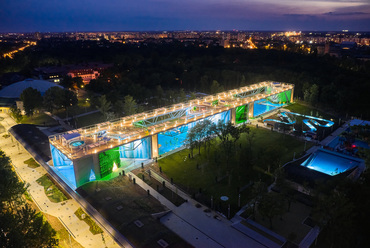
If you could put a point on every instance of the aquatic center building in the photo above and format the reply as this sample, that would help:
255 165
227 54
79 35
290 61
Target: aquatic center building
96 152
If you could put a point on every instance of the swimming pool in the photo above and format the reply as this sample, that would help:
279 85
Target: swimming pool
330 163
76 144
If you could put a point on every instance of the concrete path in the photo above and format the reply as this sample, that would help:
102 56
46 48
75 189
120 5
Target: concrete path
60 121
64 211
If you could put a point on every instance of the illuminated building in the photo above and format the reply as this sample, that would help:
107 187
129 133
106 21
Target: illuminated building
90 153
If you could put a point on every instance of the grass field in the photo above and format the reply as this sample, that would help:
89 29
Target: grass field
39 119
83 106
94 228
207 177
90 119
122 203
31 163
51 190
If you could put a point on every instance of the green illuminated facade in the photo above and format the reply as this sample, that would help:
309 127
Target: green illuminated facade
241 114
284 97
107 159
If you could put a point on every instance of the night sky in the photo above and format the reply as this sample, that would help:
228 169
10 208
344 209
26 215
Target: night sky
153 15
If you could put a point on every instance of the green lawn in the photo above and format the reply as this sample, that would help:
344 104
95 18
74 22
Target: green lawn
31 163
269 150
135 205
90 119
165 191
83 106
51 190
94 228
39 119
301 108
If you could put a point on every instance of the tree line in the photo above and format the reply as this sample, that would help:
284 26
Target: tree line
20 225
54 98
341 83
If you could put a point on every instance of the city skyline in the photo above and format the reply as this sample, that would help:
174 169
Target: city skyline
143 15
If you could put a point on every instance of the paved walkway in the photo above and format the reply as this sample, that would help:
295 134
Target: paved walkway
60 121
78 229
329 138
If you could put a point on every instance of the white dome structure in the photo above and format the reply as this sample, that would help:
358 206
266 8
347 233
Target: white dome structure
15 90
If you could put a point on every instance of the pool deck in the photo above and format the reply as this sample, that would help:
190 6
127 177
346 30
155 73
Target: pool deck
330 138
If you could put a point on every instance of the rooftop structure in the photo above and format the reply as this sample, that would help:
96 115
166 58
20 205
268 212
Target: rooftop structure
15 90
149 134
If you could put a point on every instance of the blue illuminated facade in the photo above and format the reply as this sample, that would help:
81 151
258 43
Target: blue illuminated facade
63 166
175 138
140 149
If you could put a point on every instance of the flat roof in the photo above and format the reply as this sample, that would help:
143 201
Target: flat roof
145 124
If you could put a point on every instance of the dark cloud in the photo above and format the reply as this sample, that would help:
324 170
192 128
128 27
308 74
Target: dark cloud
90 15
346 13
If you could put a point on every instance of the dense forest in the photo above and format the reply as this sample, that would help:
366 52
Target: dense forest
151 69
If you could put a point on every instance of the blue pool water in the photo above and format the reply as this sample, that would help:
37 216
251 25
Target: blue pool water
330 163
77 143
262 106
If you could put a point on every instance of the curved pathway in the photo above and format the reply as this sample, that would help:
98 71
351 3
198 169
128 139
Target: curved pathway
64 211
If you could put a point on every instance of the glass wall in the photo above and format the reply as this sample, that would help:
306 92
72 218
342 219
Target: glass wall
175 138
63 166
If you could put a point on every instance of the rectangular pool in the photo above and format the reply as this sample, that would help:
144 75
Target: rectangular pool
330 163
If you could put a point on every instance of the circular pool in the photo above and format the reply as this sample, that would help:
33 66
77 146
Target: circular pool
76 144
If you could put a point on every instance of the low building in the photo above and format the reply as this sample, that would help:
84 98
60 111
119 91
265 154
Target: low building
87 72
10 95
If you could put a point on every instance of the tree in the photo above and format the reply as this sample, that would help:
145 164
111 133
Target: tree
26 228
68 99
332 212
311 95
118 108
104 106
53 98
181 96
209 131
285 189
71 82
216 87
271 205
258 190
129 105
31 99
16 114
20 225
223 132
11 189
191 140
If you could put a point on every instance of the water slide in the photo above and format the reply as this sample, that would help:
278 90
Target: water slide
284 115
309 125
311 122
